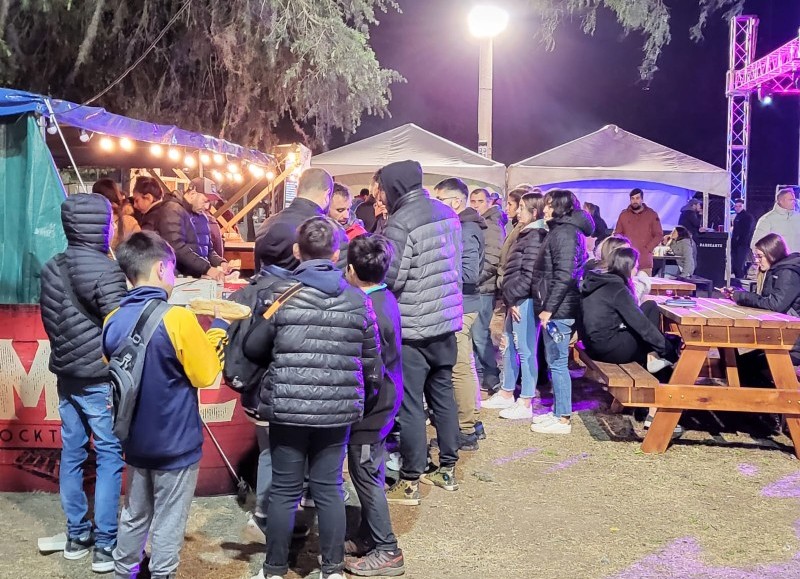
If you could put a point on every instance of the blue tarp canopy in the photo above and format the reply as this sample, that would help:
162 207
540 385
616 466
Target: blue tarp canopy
98 120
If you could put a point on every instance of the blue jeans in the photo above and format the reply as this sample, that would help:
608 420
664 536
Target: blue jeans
521 338
482 338
84 413
557 355
264 474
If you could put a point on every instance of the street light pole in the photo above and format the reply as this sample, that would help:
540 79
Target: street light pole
486 22
485 99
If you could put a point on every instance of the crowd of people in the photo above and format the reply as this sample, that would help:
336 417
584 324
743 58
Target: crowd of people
371 318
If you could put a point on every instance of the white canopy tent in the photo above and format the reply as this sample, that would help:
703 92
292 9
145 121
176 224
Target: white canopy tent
604 166
355 163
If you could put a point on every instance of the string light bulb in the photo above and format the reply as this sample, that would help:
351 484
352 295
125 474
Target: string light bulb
85 137
189 161
205 159
291 158
219 159
233 168
106 144
173 154
126 144
270 175
237 177
256 171
218 177
157 150
51 127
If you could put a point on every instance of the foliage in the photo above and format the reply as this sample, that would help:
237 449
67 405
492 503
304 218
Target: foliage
237 68
647 17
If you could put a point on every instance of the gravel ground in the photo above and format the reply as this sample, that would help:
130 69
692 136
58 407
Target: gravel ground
721 503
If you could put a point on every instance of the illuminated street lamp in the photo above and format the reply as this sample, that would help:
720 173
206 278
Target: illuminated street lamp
486 22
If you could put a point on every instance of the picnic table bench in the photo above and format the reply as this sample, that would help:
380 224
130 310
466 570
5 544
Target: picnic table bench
660 286
711 324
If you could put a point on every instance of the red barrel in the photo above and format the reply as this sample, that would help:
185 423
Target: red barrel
30 429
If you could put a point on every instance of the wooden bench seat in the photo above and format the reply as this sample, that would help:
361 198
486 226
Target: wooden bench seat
630 384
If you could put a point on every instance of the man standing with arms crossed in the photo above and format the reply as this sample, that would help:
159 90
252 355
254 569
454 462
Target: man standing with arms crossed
642 226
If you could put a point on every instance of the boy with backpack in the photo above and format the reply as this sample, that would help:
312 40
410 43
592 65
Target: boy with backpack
164 443
375 551
318 341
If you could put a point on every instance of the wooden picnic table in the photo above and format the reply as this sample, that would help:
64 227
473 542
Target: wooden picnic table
660 286
241 250
721 324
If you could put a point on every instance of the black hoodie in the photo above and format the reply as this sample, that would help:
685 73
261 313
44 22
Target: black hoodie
472 258
559 265
76 349
781 291
609 309
425 272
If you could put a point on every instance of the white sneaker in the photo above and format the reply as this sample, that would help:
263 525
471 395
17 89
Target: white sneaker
262 576
499 402
657 364
394 462
555 427
519 411
543 418
332 576
252 531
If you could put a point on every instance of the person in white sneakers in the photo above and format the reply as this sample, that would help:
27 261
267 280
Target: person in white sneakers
522 327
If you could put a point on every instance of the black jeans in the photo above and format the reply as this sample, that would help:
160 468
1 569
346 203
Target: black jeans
368 474
324 448
739 256
628 346
428 372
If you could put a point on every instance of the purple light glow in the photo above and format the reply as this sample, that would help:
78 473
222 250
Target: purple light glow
786 488
747 469
571 461
516 456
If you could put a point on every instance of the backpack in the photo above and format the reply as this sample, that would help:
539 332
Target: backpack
240 373
127 363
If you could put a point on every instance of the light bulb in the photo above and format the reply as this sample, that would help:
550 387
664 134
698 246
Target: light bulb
237 177
190 162
256 171
233 167
156 150
270 175
106 144
219 159
126 144
84 136
204 158
218 177
51 127
291 158
173 154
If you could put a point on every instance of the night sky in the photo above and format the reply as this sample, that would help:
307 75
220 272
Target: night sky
543 99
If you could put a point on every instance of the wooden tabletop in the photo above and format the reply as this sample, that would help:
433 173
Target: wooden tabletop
661 283
722 312
239 245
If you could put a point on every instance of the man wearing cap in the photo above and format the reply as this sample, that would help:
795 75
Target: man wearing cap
692 219
744 224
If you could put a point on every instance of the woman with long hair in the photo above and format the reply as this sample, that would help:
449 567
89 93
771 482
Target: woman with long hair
125 224
681 246
521 333
601 230
557 301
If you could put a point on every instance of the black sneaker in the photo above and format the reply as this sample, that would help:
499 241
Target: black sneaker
467 442
480 432
103 559
490 384
78 547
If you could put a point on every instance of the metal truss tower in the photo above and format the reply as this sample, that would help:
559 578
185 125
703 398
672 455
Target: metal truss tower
743 32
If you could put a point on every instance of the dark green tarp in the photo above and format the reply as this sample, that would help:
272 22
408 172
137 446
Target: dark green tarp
31 194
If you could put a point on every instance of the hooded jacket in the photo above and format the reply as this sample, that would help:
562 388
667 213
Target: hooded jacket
205 242
425 273
173 222
472 259
505 251
784 222
691 220
321 350
166 432
781 291
76 357
609 309
559 265
381 408
519 273
685 251
494 235
644 230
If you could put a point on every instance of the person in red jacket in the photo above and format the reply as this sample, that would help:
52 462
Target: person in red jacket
642 226
340 210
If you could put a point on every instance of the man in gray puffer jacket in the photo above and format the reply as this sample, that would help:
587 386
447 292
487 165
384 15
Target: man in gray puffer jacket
425 277
86 274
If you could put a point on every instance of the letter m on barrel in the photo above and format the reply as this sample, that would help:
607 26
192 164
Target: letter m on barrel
24 375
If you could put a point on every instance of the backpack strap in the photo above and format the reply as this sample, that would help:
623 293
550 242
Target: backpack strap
151 316
61 260
282 299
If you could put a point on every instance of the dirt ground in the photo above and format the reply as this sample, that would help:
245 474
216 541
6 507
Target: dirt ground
722 503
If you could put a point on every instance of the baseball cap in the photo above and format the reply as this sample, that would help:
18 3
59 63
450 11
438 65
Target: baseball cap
205 186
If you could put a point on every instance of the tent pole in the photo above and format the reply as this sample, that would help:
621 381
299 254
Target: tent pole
66 147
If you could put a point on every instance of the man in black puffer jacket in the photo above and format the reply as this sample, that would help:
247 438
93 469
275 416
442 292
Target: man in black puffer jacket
454 193
495 236
166 215
558 270
83 381
321 352
425 277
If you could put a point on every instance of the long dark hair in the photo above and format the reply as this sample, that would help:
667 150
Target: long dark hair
593 210
774 248
534 203
682 232
109 189
622 261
